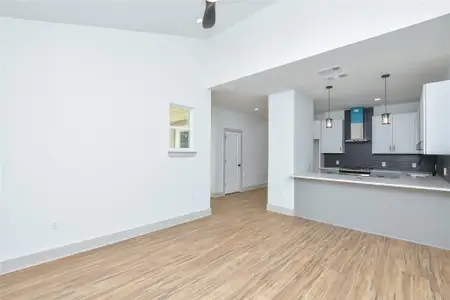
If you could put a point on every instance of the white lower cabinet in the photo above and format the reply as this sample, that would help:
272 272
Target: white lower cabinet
399 137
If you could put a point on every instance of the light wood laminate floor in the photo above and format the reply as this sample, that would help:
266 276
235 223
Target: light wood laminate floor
242 252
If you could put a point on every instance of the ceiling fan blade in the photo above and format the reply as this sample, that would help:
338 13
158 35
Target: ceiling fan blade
209 18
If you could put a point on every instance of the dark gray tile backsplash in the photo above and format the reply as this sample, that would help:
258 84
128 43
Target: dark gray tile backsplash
360 154
444 162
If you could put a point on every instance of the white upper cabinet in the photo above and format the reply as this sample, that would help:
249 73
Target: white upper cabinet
316 130
381 136
399 137
420 123
404 133
435 116
332 138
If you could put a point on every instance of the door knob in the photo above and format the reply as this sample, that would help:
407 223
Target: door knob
239 165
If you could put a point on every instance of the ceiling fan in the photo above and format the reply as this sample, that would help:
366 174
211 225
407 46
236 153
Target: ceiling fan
209 17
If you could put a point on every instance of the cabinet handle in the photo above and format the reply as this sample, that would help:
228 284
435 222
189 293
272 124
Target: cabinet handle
340 148
393 147
390 148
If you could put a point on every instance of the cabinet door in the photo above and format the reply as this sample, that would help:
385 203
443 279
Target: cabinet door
417 130
317 130
436 106
333 138
420 124
381 136
404 133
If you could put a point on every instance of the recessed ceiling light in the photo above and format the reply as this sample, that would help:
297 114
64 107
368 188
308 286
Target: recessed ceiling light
256 109
377 99
199 20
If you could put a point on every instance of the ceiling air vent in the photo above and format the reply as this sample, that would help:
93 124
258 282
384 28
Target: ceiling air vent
330 72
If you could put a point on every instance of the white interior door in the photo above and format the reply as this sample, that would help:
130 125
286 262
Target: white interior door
232 162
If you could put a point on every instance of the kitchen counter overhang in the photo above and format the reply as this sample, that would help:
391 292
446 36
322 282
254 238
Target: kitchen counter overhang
432 183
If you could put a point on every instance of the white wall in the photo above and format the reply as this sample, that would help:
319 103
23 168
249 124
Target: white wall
2 130
291 146
255 147
294 30
335 115
304 133
86 114
397 108
377 110
280 192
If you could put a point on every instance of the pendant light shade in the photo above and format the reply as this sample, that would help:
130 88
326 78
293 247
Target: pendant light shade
329 120
386 117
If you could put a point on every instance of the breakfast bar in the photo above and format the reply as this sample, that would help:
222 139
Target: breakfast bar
402 207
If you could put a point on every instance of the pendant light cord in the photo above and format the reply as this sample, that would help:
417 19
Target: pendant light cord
329 104
385 94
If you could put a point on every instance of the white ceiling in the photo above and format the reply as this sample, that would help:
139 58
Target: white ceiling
413 56
176 17
241 103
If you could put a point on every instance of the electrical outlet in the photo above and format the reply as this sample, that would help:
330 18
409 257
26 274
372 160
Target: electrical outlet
54 225
414 165
383 164
445 171
337 163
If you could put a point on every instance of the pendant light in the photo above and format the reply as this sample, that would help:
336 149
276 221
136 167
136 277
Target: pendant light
329 121
386 117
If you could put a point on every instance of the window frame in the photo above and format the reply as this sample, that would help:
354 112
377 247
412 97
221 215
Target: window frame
182 151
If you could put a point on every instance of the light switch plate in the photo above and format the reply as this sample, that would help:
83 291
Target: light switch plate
337 163
414 165
383 164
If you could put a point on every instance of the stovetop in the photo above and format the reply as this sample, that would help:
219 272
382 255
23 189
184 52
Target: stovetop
355 170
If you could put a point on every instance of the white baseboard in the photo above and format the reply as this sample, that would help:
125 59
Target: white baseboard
280 210
26 261
217 195
254 187
244 189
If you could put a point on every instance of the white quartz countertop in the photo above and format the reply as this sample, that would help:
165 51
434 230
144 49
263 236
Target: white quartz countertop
432 183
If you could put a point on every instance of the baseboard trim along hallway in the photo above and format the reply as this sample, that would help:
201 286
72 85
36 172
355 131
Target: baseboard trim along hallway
280 210
217 195
37 258
254 187
244 189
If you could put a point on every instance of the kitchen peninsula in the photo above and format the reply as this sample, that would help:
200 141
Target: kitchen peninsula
376 170
412 209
